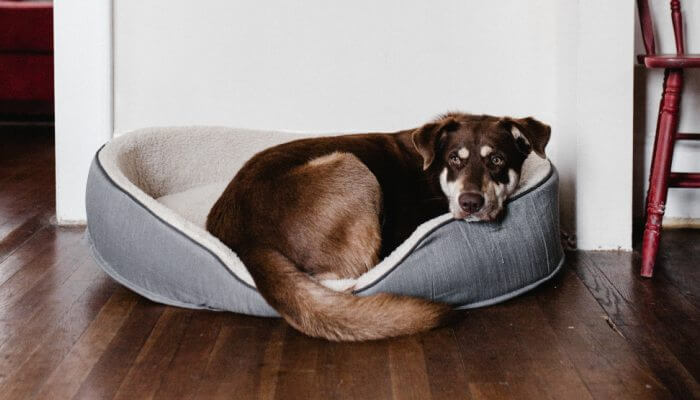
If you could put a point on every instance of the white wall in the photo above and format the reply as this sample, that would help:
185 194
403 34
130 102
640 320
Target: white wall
327 66
83 96
604 116
367 65
683 204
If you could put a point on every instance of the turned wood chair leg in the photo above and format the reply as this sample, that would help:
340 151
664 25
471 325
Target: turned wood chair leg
656 142
666 129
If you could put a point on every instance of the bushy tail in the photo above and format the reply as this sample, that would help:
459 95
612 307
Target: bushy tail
321 312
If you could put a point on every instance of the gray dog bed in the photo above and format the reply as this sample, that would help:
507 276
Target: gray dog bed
149 193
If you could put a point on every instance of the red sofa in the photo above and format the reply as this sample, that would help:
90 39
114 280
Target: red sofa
26 57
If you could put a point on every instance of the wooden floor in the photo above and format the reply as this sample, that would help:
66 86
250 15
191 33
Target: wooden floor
68 331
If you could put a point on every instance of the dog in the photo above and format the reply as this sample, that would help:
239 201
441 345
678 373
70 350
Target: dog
332 207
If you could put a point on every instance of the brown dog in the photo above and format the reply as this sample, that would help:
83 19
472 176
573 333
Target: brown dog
331 207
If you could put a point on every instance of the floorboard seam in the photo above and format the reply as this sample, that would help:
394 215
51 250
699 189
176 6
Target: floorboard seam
43 226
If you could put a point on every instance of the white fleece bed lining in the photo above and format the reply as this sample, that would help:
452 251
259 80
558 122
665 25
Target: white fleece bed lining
186 209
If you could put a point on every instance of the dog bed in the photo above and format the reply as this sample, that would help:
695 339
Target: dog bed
149 192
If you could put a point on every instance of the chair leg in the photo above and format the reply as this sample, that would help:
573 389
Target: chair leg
656 139
666 129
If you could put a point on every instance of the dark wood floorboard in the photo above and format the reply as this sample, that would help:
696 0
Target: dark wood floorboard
109 372
236 358
355 371
679 262
597 330
660 344
606 362
26 183
186 370
445 366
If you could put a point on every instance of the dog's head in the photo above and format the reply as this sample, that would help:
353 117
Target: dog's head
478 159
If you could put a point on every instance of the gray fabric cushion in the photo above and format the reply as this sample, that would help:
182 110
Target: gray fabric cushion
466 264
473 264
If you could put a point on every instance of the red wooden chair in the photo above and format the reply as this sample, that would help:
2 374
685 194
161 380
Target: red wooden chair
661 177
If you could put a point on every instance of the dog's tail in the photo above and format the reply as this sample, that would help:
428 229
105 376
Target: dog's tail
321 312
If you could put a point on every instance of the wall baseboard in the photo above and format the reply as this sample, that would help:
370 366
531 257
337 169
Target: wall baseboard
675 222
68 222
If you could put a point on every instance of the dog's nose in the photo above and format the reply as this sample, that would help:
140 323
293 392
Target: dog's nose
471 202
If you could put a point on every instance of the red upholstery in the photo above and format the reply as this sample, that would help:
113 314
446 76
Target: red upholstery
26 76
26 57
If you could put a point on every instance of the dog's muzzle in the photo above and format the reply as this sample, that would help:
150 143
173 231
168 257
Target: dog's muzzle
471 202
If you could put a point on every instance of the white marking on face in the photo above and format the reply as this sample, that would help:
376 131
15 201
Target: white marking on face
505 190
495 195
486 150
463 153
500 190
451 190
443 181
512 182
517 134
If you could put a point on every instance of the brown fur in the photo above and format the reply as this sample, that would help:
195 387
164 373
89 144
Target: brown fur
332 207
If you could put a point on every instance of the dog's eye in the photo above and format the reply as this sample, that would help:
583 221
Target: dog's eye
454 159
496 160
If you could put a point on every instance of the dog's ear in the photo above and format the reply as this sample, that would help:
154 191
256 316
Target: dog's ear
529 134
427 137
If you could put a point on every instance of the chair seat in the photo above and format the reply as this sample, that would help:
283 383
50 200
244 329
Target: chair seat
672 61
